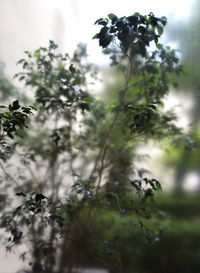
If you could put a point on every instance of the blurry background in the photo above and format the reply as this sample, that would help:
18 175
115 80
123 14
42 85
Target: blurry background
26 25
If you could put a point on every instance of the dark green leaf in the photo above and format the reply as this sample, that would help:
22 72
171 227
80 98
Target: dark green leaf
96 36
133 19
15 105
20 194
20 61
33 107
97 21
39 197
72 69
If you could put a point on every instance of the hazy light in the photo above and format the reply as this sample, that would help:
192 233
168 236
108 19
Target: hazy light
191 181
89 11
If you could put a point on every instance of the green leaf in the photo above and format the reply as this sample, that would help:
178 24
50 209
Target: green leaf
160 30
25 64
159 46
15 105
104 38
33 107
39 197
84 106
137 14
20 194
148 193
29 53
103 31
97 21
103 22
37 53
142 29
133 19
52 45
72 69
96 36
20 61
21 78
111 16
158 185
106 41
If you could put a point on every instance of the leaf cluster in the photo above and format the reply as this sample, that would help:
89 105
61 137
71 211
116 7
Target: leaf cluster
133 33
57 80
14 119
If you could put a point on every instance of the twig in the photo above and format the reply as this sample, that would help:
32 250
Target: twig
101 171
8 175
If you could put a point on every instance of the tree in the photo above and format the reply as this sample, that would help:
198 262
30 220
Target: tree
186 35
72 152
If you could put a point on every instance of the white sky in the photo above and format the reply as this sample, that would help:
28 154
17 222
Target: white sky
28 24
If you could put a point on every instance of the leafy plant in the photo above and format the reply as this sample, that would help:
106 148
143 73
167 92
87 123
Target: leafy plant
67 175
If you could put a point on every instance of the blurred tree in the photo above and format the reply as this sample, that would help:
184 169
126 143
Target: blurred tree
187 34
6 87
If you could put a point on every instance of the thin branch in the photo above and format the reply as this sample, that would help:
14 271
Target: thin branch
102 152
8 175
31 173
101 171
71 153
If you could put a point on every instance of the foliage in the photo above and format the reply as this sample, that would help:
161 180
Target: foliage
178 247
13 119
184 148
66 179
186 34
185 208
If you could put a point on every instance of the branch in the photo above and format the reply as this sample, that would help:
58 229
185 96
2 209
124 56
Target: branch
8 175
101 171
102 152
